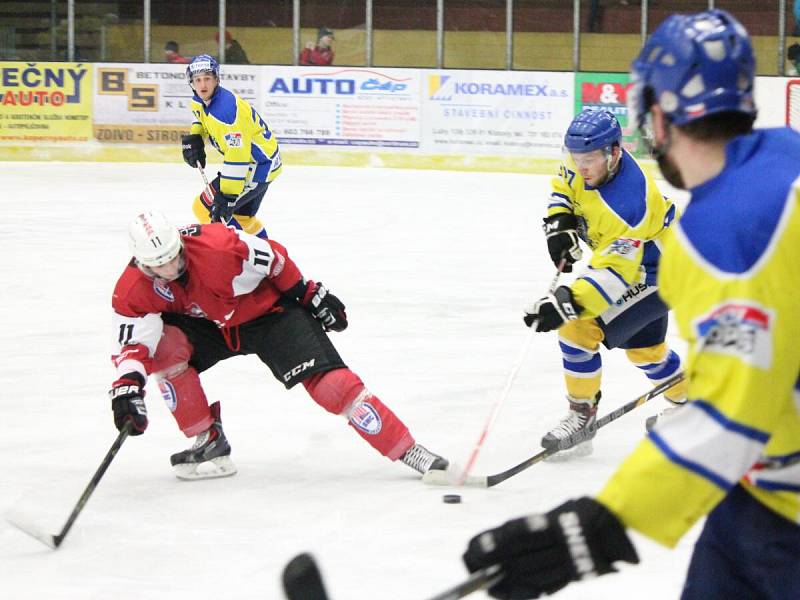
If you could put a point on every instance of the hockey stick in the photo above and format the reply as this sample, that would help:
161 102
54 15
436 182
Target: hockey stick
303 581
434 477
463 478
208 190
54 541
479 580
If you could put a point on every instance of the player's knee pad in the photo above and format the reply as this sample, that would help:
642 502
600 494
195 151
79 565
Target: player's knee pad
336 391
582 333
173 353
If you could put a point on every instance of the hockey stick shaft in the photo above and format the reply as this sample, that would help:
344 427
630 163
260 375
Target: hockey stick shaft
54 541
473 457
208 189
581 435
302 580
479 580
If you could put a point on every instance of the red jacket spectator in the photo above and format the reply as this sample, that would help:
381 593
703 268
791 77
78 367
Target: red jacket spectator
172 55
321 53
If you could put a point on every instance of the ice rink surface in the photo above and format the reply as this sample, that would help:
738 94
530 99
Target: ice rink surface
435 269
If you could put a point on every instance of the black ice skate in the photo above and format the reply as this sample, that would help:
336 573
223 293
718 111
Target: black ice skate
209 457
423 460
578 423
664 415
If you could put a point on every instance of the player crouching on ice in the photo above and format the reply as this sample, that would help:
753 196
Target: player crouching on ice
192 297
603 197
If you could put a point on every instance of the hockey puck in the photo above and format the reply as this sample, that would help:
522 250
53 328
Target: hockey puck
451 499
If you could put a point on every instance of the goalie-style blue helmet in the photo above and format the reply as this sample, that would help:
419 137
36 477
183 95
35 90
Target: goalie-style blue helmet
592 129
202 63
694 66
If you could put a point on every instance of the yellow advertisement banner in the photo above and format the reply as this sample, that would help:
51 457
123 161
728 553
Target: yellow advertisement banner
45 101
140 134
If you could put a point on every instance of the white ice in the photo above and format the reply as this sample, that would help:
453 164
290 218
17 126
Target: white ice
435 269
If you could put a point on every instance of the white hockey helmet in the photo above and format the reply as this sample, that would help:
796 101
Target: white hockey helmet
153 240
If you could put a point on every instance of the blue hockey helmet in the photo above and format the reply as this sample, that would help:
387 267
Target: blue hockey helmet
694 66
592 129
202 63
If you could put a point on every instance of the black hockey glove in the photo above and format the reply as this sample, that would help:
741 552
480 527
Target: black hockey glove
542 553
127 402
223 207
324 306
194 150
561 231
552 311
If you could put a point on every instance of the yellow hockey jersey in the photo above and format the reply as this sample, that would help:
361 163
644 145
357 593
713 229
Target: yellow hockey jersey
730 271
250 150
622 222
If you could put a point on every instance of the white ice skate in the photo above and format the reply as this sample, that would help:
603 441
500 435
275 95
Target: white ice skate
664 415
580 418
423 460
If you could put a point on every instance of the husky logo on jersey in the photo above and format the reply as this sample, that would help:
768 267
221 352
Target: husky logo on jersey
741 329
624 247
169 395
162 288
233 139
366 418
631 293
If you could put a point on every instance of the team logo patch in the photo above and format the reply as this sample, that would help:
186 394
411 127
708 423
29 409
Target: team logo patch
233 139
199 66
366 418
162 288
169 395
742 329
624 247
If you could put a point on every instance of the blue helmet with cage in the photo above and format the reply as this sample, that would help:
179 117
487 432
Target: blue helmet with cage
694 66
202 63
592 129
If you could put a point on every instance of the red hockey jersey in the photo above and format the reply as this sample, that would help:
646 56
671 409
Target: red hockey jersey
231 278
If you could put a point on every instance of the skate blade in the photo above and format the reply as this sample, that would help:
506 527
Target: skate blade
581 450
222 466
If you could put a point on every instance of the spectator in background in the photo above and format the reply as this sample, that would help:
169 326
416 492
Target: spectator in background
234 53
172 54
321 53
594 16
793 54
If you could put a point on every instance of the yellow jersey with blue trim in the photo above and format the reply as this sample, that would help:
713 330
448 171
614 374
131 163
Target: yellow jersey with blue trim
249 149
622 221
730 272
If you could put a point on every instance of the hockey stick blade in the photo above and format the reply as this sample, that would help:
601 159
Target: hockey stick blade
583 434
24 524
302 579
450 478
54 541
479 580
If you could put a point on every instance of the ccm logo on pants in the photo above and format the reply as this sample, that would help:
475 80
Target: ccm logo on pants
298 369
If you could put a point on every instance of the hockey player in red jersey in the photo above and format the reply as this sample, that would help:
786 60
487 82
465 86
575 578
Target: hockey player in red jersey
192 297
